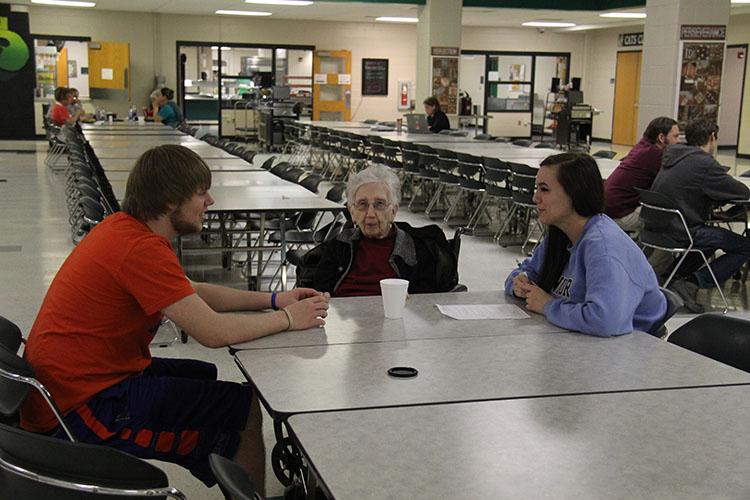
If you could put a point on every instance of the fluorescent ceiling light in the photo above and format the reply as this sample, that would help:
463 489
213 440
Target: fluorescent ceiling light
388 19
548 24
281 2
740 1
65 3
625 15
242 13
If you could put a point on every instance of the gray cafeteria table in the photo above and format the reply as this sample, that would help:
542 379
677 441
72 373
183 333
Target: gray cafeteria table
451 370
279 201
204 150
124 125
225 178
353 320
686 443
335 124
124 132
229 193
141 141
233 164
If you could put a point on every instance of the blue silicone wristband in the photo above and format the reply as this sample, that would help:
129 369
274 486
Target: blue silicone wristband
273 302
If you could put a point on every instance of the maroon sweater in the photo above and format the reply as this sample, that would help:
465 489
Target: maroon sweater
371 264
637 170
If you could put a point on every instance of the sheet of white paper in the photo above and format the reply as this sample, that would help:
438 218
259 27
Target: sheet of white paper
345 79
483 311
321 78
108 74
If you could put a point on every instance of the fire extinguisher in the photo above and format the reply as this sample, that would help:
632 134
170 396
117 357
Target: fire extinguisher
404 95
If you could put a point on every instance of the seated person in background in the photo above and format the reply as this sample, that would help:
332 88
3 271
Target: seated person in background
90 342
638 170
60 114
76 106
436 119
353 263
587 274
165 110
696 183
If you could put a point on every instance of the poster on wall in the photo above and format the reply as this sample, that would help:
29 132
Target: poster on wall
445 83
374 76
700 81
17 73
516 73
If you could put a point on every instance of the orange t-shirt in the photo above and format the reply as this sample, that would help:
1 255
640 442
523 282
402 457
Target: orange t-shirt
100 314
59 114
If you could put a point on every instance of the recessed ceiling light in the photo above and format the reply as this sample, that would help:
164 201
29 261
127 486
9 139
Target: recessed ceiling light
65 3
548 24
388 19
624 15
740 1
242 13
281 2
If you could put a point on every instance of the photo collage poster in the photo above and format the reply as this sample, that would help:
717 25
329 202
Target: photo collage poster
445 83
700 81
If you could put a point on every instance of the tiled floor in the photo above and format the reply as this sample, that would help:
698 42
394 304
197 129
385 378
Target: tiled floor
35 239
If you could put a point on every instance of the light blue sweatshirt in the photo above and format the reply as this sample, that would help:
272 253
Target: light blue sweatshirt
607 288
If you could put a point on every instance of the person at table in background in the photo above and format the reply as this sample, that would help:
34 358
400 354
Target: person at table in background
376 247
90 342
76 106
638 170
692 178
587 274
164 108
436 119
60 114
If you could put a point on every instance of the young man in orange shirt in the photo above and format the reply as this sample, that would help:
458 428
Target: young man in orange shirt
90 342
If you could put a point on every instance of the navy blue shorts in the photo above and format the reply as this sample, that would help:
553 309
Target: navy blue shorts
175 411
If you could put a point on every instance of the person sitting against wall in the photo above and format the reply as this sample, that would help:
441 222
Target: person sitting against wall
376 247
587 275
638 170
164 108
436 119
60 114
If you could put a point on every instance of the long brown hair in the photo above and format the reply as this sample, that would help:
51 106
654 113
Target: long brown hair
579 176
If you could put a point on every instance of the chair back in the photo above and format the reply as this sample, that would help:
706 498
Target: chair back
234 481
717 336
311 182
674 302
603 153
663 224
410 158
522 142
268 164
544 145
10 335
523 183
34 466
280 168
336 193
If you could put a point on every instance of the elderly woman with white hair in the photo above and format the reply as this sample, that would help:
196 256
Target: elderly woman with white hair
376 247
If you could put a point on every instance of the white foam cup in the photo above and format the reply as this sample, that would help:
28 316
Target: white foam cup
394 297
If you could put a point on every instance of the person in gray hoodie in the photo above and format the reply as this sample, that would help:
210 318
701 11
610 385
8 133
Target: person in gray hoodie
697 183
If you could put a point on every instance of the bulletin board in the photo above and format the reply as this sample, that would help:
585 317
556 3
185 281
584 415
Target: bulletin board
700 81
445 83
374 76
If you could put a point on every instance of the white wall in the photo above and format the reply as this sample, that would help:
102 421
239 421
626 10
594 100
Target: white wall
79 52
739 33
599 74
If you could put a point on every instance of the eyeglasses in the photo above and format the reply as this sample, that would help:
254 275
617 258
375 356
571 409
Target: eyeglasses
378 205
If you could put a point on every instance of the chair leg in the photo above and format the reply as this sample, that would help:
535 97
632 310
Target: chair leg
433 201
415 193
506 223
676 267
474 219
453 205
716 282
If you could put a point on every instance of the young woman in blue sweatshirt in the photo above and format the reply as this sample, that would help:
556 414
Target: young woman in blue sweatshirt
587 275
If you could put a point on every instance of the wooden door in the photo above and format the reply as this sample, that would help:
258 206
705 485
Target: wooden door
627 95
109 66
332 98
62 68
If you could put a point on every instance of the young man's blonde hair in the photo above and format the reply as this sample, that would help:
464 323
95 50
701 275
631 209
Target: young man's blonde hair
164 177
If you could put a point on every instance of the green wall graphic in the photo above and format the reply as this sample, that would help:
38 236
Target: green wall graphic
13 49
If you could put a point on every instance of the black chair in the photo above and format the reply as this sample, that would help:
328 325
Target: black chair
523 184
455 243
311 182
34 466
665 228
544 145
674 302
268 164
719 337
522 142
471 180
17 378
10 335
604 153
447 177
484 137
234 482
